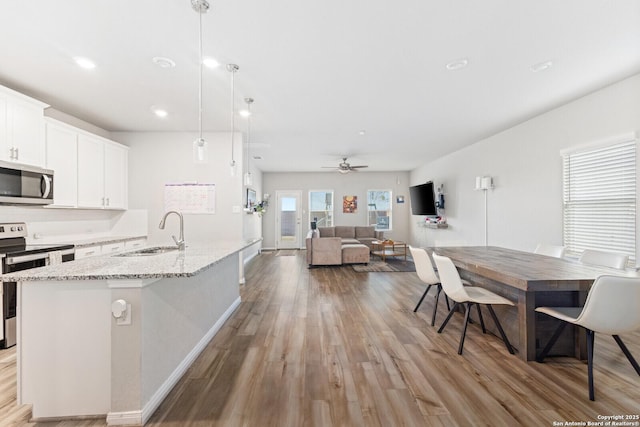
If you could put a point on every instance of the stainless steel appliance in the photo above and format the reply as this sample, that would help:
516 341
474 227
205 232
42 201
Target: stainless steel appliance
25 185
16 255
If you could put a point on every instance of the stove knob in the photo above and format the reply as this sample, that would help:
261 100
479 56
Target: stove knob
13 229
20 228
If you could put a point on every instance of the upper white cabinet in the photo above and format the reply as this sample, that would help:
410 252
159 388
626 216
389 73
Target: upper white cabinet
89 171
21 128
102 173
62 158
116 168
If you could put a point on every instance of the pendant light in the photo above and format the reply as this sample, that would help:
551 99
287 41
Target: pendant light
200 149
248 179
232 68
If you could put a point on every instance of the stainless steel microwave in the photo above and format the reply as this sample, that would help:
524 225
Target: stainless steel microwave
25 185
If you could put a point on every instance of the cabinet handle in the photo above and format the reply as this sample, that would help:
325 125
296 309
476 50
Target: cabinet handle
17 155
107 201
11 153
103 201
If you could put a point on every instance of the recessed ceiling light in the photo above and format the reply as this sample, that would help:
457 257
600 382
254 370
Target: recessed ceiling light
210 62
362 132
85 63
244 113
163 62
542 66
160 112
457 64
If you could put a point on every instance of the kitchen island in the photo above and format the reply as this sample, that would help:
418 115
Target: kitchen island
75 359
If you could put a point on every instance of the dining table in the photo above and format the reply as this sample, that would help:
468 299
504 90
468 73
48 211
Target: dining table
530 280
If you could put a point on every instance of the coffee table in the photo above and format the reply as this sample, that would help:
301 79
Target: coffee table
383 249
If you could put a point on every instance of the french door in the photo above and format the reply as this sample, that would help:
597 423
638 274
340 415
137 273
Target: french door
288 220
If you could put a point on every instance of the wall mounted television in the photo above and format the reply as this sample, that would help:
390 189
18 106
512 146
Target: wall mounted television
423 201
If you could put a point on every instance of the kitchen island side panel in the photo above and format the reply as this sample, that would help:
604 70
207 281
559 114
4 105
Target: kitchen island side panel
169 319
178 315
64 348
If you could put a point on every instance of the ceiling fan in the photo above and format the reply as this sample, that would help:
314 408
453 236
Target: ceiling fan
345 167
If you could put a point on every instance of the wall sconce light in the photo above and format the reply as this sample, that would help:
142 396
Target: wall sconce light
484 182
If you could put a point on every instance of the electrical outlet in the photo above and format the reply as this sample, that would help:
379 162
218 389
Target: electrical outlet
126 319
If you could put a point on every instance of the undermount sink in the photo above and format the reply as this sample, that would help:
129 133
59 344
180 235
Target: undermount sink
156 250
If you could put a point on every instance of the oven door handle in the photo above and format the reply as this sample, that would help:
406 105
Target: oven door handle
11 260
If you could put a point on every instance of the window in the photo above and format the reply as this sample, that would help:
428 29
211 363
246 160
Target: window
321 207
379 208
599 195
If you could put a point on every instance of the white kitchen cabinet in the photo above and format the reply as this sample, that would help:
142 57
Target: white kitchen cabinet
62 158
115 175
102 173
134 244
112 248
108 248
90 171
21 128
87 252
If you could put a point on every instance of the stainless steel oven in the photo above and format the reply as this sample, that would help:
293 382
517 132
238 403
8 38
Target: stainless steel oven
16 255
24 184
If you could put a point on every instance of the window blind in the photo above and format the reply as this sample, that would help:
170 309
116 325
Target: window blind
599 193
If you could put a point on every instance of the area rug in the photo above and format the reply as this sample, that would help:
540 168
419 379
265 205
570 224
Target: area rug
391 265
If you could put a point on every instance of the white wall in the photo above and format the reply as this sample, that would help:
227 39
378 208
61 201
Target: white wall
157 158
351 184
525 207
51 225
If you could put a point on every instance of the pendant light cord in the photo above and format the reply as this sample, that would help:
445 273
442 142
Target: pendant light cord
249 101
234 68
200 86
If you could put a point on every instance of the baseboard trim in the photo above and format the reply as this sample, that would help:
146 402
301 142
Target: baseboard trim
124 418
141 417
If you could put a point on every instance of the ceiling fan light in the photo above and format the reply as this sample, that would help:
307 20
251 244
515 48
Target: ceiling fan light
343 170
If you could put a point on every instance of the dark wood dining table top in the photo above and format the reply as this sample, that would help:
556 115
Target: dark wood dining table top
527 271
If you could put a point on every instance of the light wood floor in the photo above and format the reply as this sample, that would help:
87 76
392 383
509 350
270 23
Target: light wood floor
329 346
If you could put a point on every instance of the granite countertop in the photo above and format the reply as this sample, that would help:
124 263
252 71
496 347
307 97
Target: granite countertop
193 260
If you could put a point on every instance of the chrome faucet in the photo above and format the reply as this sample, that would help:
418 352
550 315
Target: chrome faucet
180 240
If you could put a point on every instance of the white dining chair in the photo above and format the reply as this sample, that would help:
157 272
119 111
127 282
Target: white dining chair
427 274
550 250
604 259
468 296
611 308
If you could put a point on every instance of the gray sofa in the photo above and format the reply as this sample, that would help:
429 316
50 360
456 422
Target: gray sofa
341 245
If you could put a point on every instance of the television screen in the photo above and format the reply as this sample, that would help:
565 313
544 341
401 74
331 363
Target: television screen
423 199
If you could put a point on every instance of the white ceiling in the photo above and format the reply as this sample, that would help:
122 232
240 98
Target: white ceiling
321 71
